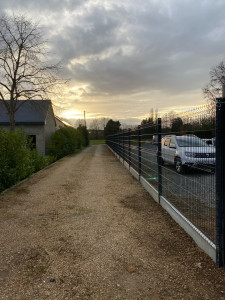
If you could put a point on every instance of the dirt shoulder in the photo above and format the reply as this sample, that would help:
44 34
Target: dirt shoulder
84 228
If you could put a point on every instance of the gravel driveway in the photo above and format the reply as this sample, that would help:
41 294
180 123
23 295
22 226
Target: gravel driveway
84 228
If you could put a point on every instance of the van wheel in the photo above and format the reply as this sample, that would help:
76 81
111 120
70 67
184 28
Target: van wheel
179 167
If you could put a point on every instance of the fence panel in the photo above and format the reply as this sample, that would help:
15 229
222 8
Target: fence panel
176 155
193 191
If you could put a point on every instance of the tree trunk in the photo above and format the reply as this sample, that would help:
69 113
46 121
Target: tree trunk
12 121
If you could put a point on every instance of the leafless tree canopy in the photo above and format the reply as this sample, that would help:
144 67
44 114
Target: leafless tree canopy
24 71
98 123
213 89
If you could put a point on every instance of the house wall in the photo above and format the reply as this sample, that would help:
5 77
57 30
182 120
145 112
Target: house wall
37 130
50 127
59 124
42 132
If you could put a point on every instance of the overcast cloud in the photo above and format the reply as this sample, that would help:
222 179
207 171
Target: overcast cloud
126 58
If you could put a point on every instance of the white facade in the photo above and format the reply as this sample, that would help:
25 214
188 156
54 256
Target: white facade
42 132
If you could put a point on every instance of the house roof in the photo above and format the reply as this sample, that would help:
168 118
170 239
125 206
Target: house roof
31 112
62 121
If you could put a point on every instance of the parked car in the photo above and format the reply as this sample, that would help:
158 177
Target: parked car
155 139
187 151
210 142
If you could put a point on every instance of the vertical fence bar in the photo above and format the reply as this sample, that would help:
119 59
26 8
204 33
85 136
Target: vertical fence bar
139 151
119 146
121 140
123 145
116 143
129 134
159 157
220 182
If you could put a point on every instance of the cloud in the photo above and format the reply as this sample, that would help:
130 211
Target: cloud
119 54
120 50
41 6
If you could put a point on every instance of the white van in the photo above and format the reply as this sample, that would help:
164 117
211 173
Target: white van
186 151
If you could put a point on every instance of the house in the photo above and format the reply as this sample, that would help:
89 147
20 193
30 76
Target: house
61 123
37 119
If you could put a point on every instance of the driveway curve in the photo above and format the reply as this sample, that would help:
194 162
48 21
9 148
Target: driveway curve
84 228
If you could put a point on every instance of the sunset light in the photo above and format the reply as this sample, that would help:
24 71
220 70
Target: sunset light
72 114
112 149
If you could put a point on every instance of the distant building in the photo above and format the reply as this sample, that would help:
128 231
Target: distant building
96 134
37 119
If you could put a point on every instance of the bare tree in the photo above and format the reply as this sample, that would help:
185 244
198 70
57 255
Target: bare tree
98 123
97 126
102 122
25 73
79 122
94 125
213 89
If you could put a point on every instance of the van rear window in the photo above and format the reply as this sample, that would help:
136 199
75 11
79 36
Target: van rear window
167 142
190 142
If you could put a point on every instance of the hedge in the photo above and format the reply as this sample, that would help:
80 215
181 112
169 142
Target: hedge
17 160
66 140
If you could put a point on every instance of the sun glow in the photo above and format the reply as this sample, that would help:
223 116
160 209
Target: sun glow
72 114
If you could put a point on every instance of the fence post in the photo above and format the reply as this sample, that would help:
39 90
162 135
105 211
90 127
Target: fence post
123 146
116 143
119 144
119 148
129 134
159 157
139 151
220 182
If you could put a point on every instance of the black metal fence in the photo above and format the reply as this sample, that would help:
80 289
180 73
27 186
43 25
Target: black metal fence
177 156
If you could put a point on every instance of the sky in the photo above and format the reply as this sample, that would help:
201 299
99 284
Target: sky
125 57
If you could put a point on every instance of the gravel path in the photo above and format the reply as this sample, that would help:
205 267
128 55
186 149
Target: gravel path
84 228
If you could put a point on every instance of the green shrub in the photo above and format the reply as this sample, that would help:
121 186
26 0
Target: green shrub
84 135
17 161
64 141
39 161
15 158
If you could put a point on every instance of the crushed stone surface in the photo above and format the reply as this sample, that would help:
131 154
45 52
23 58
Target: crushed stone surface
84 228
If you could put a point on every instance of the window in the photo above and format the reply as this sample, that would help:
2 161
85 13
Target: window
167 142
173 143
32 140
190 142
